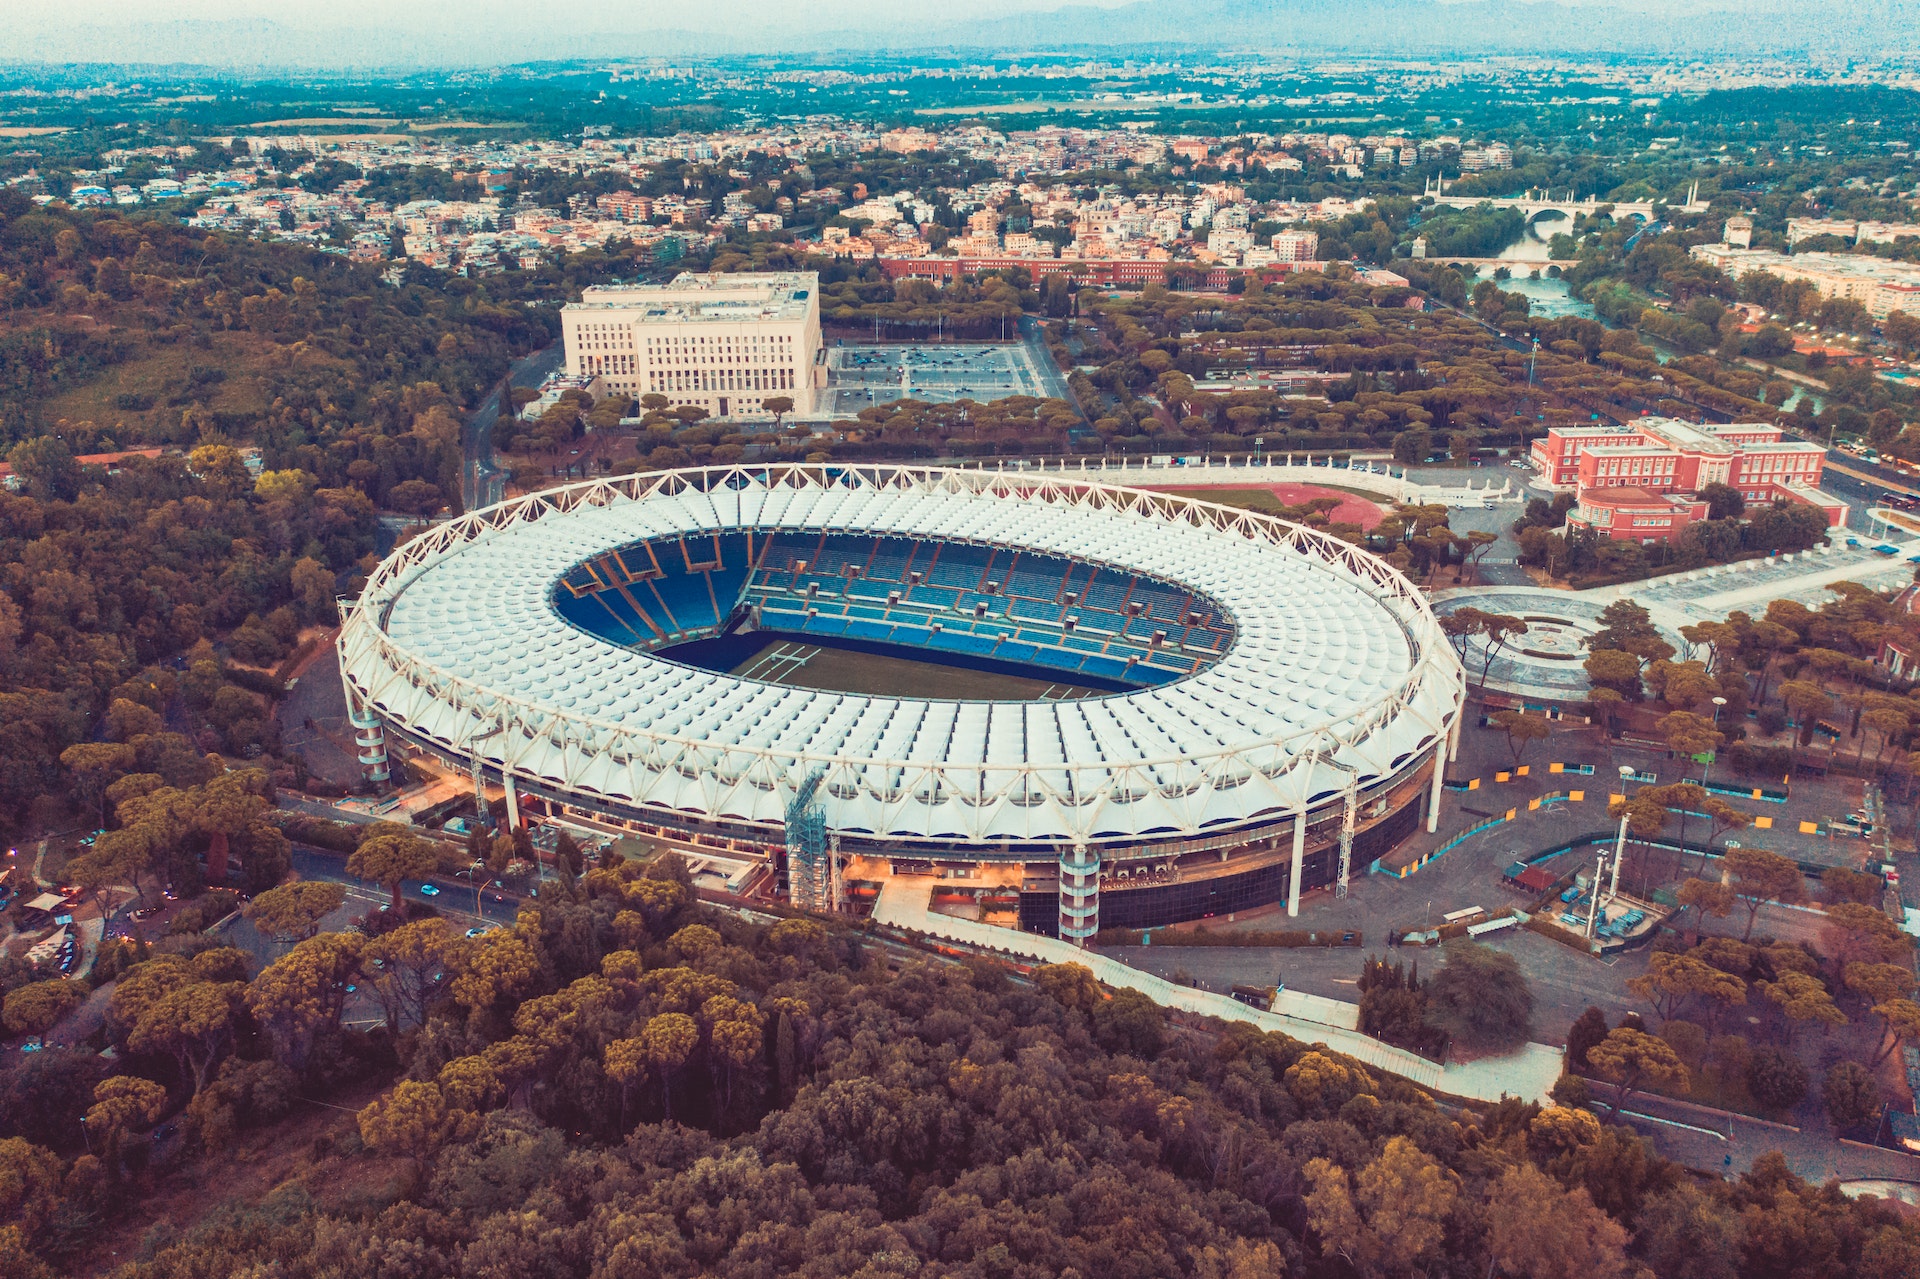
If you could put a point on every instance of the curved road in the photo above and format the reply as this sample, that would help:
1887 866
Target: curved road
481 482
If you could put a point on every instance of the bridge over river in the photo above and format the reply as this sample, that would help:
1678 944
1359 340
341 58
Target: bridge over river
1534 203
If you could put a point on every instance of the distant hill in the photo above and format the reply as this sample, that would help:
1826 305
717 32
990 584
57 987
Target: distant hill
1435 28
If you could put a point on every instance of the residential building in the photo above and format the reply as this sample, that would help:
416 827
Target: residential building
1879 285
725 343
1799 229
1737 231
1296 245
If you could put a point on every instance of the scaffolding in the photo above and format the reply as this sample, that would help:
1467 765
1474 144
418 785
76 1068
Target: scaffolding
809 859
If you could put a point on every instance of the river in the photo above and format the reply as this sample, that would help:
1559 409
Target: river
1547 295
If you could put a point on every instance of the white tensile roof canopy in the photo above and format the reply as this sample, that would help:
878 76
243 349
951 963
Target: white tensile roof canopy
1337 675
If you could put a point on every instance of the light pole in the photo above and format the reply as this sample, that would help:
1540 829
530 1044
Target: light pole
1718 702
1620 841
1600 873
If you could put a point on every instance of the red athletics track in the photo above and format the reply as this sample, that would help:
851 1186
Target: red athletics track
1352 510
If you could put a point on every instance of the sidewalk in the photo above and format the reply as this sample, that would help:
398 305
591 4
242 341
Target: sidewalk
1528 1074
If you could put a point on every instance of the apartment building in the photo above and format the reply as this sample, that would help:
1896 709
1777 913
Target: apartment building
724 343
1879 285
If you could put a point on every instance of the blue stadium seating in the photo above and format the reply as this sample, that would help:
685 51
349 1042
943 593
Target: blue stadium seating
852 576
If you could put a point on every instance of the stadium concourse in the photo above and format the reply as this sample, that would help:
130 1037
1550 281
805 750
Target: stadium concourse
1255 705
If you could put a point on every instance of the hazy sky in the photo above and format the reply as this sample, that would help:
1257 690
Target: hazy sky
580 15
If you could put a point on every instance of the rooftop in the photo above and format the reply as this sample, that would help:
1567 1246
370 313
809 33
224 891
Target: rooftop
759 295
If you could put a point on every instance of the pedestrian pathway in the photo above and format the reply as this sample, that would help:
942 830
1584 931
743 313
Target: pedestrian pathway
1528 1074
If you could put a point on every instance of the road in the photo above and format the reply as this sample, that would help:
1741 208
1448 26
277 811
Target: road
481 482
453 897
1716 1141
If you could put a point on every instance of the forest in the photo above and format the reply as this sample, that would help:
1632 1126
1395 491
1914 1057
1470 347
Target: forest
626 1084
172 585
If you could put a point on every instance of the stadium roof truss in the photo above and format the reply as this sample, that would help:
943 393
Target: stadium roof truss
1338 676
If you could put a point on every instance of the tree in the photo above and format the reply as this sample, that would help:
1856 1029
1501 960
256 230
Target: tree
1760 877
1412 446
408 967
1631 1060
1802 997
1389 1218
1776 1078
194 1024
1703 897
1671 979
29 1184
1495 630
122 1106
92 766
1851 1095
1521 729
1860 934
778 405
1878 983
1724 502
1072 985
390 856
1628 628
301 995
500 968
1839 884
1481 997
37 1007
292 912
1899 1023
1615 671
1538 1229
412 1120
667 1041
1588 1029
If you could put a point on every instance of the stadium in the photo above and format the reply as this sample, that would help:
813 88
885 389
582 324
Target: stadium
1077 705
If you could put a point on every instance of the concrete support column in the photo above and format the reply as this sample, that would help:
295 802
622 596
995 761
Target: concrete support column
1439 780
369 738
1299 862
513 800
1453 738
1079 894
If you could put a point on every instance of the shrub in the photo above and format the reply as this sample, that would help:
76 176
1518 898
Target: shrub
1852 1096
1776 1078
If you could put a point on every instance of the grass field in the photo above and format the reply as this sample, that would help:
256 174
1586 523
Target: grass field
1355 507
837 670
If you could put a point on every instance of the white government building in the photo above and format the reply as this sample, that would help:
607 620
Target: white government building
726 343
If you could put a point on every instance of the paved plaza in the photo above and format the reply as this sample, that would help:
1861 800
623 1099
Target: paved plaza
1547 662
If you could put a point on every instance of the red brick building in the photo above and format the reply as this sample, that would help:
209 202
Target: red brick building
1634 514
1665 457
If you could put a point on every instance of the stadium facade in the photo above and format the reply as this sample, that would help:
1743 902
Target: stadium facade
1259 708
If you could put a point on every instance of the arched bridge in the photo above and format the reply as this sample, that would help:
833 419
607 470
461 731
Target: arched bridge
1534 203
